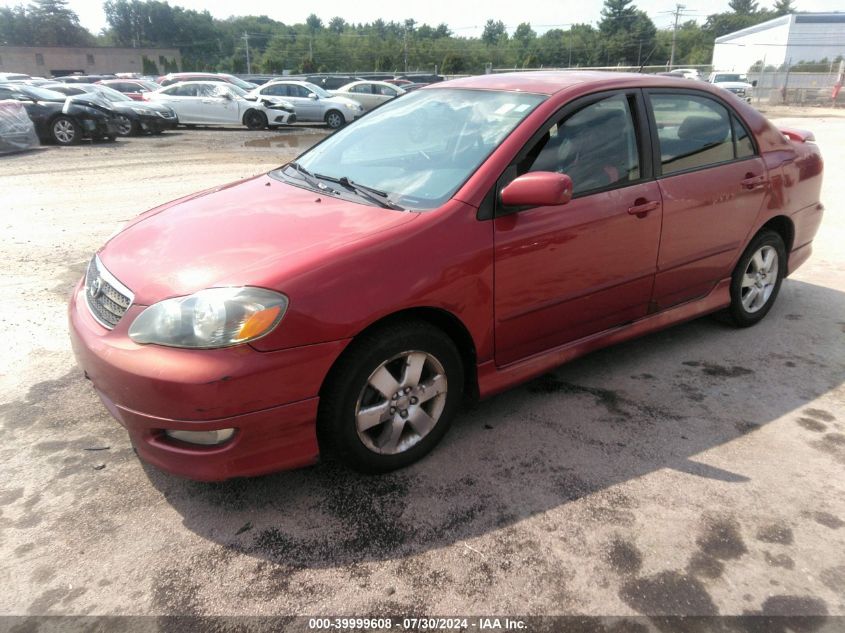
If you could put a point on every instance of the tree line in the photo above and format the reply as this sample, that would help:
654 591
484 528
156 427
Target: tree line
624 35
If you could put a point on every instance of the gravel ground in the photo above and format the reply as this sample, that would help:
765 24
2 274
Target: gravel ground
694 471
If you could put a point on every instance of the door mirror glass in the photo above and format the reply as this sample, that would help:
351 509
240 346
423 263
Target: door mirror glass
538 189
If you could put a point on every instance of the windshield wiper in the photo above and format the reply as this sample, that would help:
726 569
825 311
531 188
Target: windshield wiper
373 195
310 178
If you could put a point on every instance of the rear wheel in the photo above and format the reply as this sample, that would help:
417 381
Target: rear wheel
255 120
391 397
334 119
757 278
65 131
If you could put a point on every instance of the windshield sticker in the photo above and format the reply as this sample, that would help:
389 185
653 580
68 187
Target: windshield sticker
505 108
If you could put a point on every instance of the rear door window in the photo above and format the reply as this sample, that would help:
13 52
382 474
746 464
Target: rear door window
695 132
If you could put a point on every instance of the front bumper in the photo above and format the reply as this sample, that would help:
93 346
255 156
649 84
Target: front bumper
155 123
270 398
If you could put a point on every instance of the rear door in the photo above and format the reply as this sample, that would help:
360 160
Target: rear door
565 272
713 184
184 100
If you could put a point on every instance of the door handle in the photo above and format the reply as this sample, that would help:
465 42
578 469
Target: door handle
643 207
754 182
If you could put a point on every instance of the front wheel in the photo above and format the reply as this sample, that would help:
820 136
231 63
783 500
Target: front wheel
125 126
391 397
255 120
334 119
65 131
757 278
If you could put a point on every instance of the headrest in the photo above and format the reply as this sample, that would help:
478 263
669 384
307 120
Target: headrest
703 128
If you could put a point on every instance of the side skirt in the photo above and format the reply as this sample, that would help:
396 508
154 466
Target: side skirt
493 379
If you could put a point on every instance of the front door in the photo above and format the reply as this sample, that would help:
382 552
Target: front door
565 272
713 185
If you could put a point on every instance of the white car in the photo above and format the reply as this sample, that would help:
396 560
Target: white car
370 94
312 103
216 103
736 83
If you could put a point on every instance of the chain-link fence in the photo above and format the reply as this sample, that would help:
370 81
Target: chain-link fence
784 87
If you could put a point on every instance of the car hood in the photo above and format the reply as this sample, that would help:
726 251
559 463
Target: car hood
132 106
732 84
252 232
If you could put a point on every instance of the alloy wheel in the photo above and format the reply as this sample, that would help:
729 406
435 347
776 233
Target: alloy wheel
64 131
759 279
401 402
124 125
334 120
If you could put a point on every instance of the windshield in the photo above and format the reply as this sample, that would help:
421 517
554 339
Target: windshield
110 93
421 148
724 77
317 90
240 83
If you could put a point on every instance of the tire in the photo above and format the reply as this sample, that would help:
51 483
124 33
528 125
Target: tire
399 429
756 280
334 119
65 131
255 120
126 126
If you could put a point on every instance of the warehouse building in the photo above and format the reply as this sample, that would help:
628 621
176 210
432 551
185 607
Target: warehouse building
789 39
46 61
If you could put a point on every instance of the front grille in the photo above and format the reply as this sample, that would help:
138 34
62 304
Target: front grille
107 298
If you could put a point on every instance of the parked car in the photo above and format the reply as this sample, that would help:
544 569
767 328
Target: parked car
736 83
17 133
330 82
132 117
172 78
82 79
370 94
60 119
312 103
399 82
257 80
215 103
13 76
132 88
462 239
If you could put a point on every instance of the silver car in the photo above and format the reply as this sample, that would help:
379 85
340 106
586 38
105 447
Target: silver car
312 103
215 103
370 94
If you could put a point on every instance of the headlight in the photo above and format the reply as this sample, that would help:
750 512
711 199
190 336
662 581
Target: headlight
140 111
217 317
352 106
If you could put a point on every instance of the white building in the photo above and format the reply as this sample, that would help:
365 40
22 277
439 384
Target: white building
807 37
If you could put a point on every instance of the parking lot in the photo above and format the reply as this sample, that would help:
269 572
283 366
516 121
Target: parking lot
695 471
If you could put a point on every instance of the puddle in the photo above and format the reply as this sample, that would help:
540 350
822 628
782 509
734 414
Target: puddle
298 140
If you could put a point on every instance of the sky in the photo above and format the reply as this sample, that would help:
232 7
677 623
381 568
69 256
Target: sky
464 18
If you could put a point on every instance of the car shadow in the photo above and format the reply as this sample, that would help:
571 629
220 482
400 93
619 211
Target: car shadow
658 402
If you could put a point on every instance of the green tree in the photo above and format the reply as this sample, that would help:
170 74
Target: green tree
54 24
784 7
743 7
494 32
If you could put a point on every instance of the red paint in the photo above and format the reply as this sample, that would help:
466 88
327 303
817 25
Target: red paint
531 289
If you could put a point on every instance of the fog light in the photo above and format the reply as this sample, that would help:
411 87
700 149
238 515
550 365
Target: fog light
206 438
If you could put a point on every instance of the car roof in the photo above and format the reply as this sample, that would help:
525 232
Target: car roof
550 82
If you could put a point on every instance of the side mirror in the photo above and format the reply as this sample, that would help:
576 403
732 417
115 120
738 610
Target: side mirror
312 96
754 83
538 189
227 96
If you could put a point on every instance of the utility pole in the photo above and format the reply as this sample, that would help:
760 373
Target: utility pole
677 12
405 38
248 65
570 47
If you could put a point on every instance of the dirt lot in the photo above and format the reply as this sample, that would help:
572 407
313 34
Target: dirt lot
695 471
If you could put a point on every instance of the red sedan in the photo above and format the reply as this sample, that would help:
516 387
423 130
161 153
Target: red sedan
453 243
135 89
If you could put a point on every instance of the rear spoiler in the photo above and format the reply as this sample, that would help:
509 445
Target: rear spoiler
799 136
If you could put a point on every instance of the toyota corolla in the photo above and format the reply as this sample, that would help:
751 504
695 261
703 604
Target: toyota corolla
453 243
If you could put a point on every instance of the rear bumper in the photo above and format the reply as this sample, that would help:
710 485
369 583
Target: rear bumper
269 398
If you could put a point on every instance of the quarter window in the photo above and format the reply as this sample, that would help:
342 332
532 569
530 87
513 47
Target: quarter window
596 147
695 132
